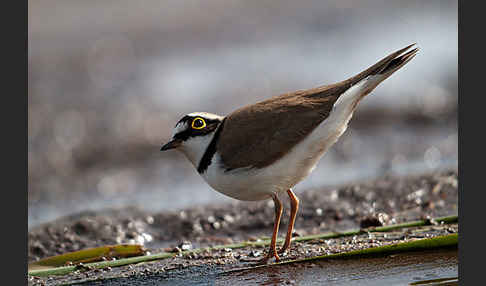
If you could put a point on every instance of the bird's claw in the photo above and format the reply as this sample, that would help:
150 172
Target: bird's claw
267 257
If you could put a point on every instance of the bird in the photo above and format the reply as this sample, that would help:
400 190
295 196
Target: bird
262 150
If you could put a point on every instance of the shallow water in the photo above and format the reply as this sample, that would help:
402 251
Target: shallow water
401 269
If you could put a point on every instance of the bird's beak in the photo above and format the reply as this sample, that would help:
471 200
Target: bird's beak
174 143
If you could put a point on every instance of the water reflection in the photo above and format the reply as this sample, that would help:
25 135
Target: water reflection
419 268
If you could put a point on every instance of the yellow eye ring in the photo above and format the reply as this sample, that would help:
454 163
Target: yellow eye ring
198 123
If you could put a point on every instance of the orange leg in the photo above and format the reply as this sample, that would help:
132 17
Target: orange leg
294 206
273 244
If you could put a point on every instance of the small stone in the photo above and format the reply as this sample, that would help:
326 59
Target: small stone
216 225
149 219
255 253
228 218
369 222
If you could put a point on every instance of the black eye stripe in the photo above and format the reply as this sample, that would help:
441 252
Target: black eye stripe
188 119
184 119
211 125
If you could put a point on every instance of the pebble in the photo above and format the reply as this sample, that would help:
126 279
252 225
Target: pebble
255 253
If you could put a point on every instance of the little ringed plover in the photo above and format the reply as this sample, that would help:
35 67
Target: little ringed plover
264 149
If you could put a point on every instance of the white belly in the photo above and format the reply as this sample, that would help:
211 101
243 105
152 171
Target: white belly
258 184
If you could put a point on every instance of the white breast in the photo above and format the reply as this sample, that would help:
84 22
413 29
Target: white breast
257 184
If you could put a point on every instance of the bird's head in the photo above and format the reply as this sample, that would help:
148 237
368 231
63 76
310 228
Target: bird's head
193 133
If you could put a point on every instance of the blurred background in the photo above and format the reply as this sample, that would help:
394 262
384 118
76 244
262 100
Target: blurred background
108 80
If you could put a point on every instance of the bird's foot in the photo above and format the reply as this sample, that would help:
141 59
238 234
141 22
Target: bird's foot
265 259
283 249
269 256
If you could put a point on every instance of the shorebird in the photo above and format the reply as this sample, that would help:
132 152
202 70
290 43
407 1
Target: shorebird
262 150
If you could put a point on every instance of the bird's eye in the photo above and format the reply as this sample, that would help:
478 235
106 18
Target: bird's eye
198 123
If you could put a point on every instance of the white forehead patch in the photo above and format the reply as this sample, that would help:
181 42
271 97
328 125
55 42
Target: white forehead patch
181 126
205 115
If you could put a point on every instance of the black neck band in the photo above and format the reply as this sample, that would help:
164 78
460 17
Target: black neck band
210 150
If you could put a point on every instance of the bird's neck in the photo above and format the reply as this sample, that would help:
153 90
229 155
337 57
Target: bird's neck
195 147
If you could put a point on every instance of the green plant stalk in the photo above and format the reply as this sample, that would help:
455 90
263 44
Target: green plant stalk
443 241
448 240
445 220
133 260
89 255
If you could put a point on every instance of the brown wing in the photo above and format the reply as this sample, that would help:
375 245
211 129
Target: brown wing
276 125
257 135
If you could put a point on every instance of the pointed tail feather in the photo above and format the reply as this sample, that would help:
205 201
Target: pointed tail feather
387 66
382 70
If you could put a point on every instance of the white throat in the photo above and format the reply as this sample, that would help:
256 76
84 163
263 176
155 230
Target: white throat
194 148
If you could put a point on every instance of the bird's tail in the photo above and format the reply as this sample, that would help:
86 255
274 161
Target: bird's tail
387 66
374 75
380 71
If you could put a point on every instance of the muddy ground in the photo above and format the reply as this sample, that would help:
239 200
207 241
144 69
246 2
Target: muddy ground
383 201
